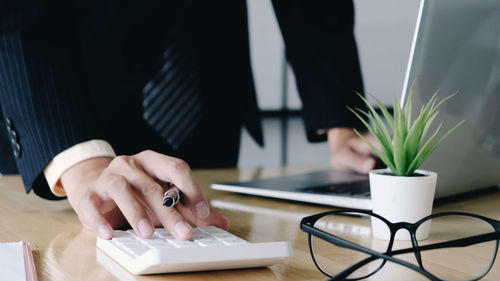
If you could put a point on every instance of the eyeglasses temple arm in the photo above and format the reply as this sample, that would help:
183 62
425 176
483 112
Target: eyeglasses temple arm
463 242
374 255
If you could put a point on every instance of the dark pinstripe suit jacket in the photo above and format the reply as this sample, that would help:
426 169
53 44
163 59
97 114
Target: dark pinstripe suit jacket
71 71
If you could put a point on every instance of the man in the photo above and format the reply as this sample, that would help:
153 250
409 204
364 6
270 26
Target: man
78 80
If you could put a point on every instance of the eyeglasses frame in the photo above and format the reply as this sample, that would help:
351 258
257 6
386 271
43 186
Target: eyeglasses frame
307 225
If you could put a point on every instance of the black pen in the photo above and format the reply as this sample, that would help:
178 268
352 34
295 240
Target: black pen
171 197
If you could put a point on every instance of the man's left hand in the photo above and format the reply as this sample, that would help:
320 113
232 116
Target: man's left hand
349 152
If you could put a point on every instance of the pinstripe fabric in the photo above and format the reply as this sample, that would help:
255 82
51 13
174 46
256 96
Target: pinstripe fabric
172 100
7 161
28 93
68 75
72 71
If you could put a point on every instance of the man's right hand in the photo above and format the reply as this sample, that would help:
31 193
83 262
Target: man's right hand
108 193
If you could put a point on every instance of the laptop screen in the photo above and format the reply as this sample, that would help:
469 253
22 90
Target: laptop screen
456 47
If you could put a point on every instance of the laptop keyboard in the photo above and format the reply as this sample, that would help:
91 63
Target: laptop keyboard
349 189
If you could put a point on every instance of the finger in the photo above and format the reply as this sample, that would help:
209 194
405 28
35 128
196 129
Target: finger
351 160
121 193
358 145
91 217
215 218
374 141
152 193
176 171
177 225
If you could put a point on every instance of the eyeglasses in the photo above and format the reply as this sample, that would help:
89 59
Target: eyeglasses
461 244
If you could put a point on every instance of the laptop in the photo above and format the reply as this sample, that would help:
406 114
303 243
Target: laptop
456 47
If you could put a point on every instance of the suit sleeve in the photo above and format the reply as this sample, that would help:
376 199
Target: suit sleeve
321 49
37 76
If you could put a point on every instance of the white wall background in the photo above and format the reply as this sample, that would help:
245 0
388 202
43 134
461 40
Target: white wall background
384 32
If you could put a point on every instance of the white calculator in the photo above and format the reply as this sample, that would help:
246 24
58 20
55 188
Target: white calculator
209 248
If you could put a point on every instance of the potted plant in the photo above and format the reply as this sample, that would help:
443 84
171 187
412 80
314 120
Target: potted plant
402 192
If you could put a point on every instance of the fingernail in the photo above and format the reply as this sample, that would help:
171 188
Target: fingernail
105 232
145 227
202 209
182 228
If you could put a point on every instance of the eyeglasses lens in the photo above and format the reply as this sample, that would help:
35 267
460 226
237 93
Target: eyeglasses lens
467 262
333 259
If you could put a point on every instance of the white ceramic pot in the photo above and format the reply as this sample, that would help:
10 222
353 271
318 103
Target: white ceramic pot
401 199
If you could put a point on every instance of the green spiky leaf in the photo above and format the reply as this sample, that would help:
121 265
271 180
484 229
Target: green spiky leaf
408 147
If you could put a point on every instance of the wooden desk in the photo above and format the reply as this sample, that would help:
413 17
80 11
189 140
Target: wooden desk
63 251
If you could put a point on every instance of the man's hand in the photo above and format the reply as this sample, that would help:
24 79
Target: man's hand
349 152
108 193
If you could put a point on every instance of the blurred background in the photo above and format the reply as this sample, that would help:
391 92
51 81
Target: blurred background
384 33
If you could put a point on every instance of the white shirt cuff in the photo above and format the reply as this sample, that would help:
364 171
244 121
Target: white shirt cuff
72 156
